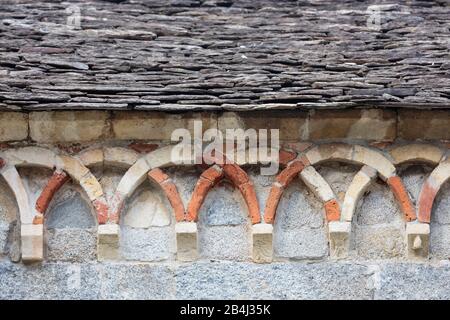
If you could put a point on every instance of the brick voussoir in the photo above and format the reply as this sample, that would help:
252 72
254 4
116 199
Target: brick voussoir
402 196
55 183
171 192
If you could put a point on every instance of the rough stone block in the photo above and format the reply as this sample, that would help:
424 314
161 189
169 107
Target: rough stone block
68 126
317 184
13 126
417 153
262 243
292 124
186 241
108 242
413 281
418 238
32 238
339 237
152 244
120 157
423 124
156 125
232 280
71 245
369 124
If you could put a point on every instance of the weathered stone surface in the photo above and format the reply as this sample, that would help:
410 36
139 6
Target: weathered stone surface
339 238
50 281
272 281
425 124
187 241
138 282
8 216
378 206
291 125
68 126
71 244
108 242
370 124
262 243
379 242
418 240
32 242
414 281
70 210
225 242
13 126
223 206
147 208
151 244
299 231
439 241
157 126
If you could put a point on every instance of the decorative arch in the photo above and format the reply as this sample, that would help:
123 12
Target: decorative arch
42 157
15 183
370 159
109 156
215 174
139 171
430 189
417 152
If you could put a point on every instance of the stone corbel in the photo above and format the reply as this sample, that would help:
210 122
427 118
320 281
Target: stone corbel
187 249
418 238
339 237
262 237
108 242
32 238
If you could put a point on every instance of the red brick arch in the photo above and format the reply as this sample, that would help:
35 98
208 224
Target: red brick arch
171 191
210 177
283 179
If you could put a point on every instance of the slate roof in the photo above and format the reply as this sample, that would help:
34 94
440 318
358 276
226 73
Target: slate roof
223 54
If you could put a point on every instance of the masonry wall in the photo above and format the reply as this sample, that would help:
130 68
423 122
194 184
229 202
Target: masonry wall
92 207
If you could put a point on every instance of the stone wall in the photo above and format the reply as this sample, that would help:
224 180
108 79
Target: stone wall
92 206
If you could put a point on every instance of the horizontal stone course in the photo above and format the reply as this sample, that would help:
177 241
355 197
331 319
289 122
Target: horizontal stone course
369 124
230 280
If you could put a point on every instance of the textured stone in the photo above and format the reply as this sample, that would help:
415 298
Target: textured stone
299 230
32 241
50 281
423 124
137 282
418 239
187 238
230 280
68 126
152 244
317 184
414 282
291 125
262 243
13 126
156 126
225 242
71 245
223 206
439 241
108 242
379 242
368 124
70 211
147 208
417 153
361 181
339 237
